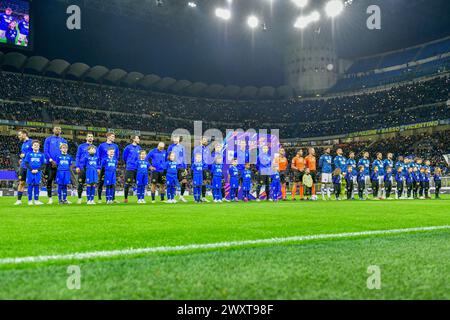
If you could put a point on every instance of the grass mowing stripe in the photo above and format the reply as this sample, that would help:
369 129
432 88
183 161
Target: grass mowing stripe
127 252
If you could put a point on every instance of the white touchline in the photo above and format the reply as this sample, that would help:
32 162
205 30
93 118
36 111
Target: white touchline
127 252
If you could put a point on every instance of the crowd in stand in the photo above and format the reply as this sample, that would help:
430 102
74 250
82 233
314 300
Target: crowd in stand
119 107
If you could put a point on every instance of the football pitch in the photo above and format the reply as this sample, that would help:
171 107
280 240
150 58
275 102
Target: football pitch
286 250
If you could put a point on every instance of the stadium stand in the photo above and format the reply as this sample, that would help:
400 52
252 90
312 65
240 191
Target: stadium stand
31 98
397 66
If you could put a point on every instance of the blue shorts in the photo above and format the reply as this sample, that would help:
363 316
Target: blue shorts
171 180
275 186
91 176
234 183
63 178
142 179
198 180
246 186
217 182
33 179
110 178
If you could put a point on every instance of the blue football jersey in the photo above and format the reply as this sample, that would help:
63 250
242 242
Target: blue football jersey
325 163
34 160
366 164
63 162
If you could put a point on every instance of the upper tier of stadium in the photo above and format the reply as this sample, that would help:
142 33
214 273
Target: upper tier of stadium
396 66
374 71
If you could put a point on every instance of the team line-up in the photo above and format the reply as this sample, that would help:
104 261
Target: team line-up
168 171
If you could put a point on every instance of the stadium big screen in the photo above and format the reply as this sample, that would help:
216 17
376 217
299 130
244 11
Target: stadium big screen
15 23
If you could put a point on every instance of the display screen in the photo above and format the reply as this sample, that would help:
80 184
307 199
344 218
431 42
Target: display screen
15 22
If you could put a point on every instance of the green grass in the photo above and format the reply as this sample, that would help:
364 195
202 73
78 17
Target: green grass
413 266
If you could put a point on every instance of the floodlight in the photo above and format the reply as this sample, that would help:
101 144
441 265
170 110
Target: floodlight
333 8
300 3
252 22
224 14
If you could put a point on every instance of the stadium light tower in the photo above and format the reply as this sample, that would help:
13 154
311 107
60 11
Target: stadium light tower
192 4
252 22
333 8
224 14
300 3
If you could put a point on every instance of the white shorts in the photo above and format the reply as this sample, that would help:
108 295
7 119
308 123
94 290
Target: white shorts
326 178
381 180
22 38
2 34
367 180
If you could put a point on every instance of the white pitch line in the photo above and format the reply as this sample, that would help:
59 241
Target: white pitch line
127 252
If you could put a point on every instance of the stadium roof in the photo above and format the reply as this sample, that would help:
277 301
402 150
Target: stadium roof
15 61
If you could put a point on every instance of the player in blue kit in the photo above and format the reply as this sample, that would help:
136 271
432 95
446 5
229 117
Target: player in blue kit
63 163
25 148
80 160
351 162
337 177
247 177
416 181
426 182
218 151
326 168
90 164
388 181
34 162
340 161
11 33
204 150
428 172
5 20
233 172
378 162
143 168
388 162
130 157
400 163
375 179
180 154
409 182
275 185
422 183
437 182
217 179
197 177
365 162
361 181
157 159
400 181
24 31
264 167
52 151
243 156
102 153
349 177
171 173
109 167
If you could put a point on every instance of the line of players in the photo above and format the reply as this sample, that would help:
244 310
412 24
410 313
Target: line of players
410 177
12 29
97 167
